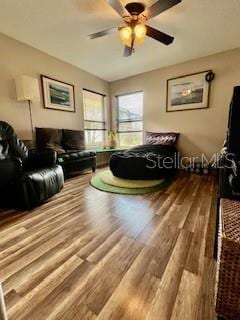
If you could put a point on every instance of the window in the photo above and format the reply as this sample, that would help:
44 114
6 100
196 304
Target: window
94 119
130 119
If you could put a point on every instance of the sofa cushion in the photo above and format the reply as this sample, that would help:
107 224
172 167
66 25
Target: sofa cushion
49 138
75 156
42 184
73 139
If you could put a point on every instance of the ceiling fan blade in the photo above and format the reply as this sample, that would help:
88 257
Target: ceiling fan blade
159 7
127 51
159 36
118 7
102 33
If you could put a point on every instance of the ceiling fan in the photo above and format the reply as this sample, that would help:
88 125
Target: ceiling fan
133 28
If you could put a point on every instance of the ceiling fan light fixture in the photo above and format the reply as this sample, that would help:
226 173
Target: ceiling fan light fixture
126 36
140 31
134 27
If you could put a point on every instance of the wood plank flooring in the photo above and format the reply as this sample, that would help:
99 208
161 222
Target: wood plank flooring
86 254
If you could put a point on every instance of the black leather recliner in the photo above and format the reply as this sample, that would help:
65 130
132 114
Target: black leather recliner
27 178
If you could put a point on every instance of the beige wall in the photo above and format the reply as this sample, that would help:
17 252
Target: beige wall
17 58
201 130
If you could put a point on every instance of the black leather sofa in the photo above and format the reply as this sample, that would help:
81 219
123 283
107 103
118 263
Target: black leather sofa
70 148
27 178
145 162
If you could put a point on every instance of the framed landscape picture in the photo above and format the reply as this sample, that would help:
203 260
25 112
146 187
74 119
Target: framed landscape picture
58 95
188 92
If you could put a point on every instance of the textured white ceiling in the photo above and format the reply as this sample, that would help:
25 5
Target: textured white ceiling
60 28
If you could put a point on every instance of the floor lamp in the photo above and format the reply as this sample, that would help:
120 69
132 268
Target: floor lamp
27 90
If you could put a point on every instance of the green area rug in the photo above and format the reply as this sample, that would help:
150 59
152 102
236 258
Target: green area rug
104 181
108 178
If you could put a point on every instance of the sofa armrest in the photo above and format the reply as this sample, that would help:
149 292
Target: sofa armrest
233 174
40 159
10 170
233 166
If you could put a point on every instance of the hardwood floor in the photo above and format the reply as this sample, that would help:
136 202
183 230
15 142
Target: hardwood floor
92 255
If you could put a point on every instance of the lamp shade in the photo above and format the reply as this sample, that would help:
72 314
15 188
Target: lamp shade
27 88
140 32
126 36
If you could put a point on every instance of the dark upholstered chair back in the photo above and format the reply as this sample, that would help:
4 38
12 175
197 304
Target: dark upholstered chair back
10 145
60 140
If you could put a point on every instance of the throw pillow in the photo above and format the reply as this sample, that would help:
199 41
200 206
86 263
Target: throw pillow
49 138
73 140
163 138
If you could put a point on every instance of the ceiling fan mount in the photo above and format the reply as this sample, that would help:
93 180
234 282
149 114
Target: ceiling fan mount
135 8
133 28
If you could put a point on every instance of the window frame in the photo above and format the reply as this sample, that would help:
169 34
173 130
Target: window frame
130 121
104 123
